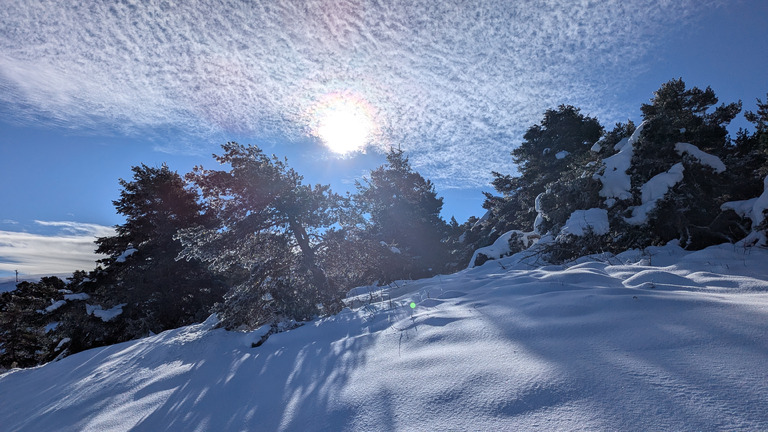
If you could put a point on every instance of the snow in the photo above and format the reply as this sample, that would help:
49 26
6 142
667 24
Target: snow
581 221
703 157
78 296
562 154
392 249
596 147
537 223
654 190
128 252
54 305
485 217
755 210
752 208
616 182
760 205
62 343
498 249
661 339
105 315
742 208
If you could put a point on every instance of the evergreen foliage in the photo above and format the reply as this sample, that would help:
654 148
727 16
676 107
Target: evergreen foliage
677 114
402 213
266 237
24 341
550 162
141 269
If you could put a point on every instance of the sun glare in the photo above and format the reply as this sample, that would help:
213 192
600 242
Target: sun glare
343 122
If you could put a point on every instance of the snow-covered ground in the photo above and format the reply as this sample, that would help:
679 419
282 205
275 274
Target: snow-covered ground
660 340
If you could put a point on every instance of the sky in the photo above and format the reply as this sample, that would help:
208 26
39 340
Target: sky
89 89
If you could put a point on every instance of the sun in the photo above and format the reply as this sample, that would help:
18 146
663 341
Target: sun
343 121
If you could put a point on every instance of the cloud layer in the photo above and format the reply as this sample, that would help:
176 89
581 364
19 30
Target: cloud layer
453 82
70 248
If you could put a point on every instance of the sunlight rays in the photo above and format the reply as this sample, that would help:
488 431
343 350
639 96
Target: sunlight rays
343 121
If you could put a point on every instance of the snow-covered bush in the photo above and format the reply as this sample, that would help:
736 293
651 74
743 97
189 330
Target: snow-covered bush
508 244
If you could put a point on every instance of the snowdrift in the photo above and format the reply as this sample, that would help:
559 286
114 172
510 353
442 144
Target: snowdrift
657 340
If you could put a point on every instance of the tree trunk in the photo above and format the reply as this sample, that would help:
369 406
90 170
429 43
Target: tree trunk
318 275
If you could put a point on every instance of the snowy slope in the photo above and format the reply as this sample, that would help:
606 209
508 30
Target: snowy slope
661 340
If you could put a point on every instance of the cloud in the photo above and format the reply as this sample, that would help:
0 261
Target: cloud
455 83
79 228
71 248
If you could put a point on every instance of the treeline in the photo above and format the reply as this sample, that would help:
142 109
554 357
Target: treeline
254 244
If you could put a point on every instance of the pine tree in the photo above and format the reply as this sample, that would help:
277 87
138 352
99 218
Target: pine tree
23 339
265 241
551 154
680 115
749 155
141 269
403 212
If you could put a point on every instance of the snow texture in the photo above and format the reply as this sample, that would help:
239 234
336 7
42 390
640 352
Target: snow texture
615 180
581 221
654 190
562 154
704 158
661 339
62 343
78 296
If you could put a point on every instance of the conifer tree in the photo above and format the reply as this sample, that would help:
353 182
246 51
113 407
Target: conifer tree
680 115
24 341
141 269
550 155
265 241
403 213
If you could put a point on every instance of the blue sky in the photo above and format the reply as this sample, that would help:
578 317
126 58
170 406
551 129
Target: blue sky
89 89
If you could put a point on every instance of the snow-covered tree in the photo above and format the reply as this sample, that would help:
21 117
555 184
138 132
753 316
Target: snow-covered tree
677 167
555 163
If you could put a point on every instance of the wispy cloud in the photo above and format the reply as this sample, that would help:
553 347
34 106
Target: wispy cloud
79 228
453 82
71 248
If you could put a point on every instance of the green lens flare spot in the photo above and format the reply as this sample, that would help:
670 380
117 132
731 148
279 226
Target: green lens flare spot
413 305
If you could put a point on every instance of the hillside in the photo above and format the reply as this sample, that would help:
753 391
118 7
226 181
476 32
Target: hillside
662 339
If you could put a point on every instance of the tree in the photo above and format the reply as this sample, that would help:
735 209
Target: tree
265 240
750 155
553 152
160 292
24 341
689 208
403 218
